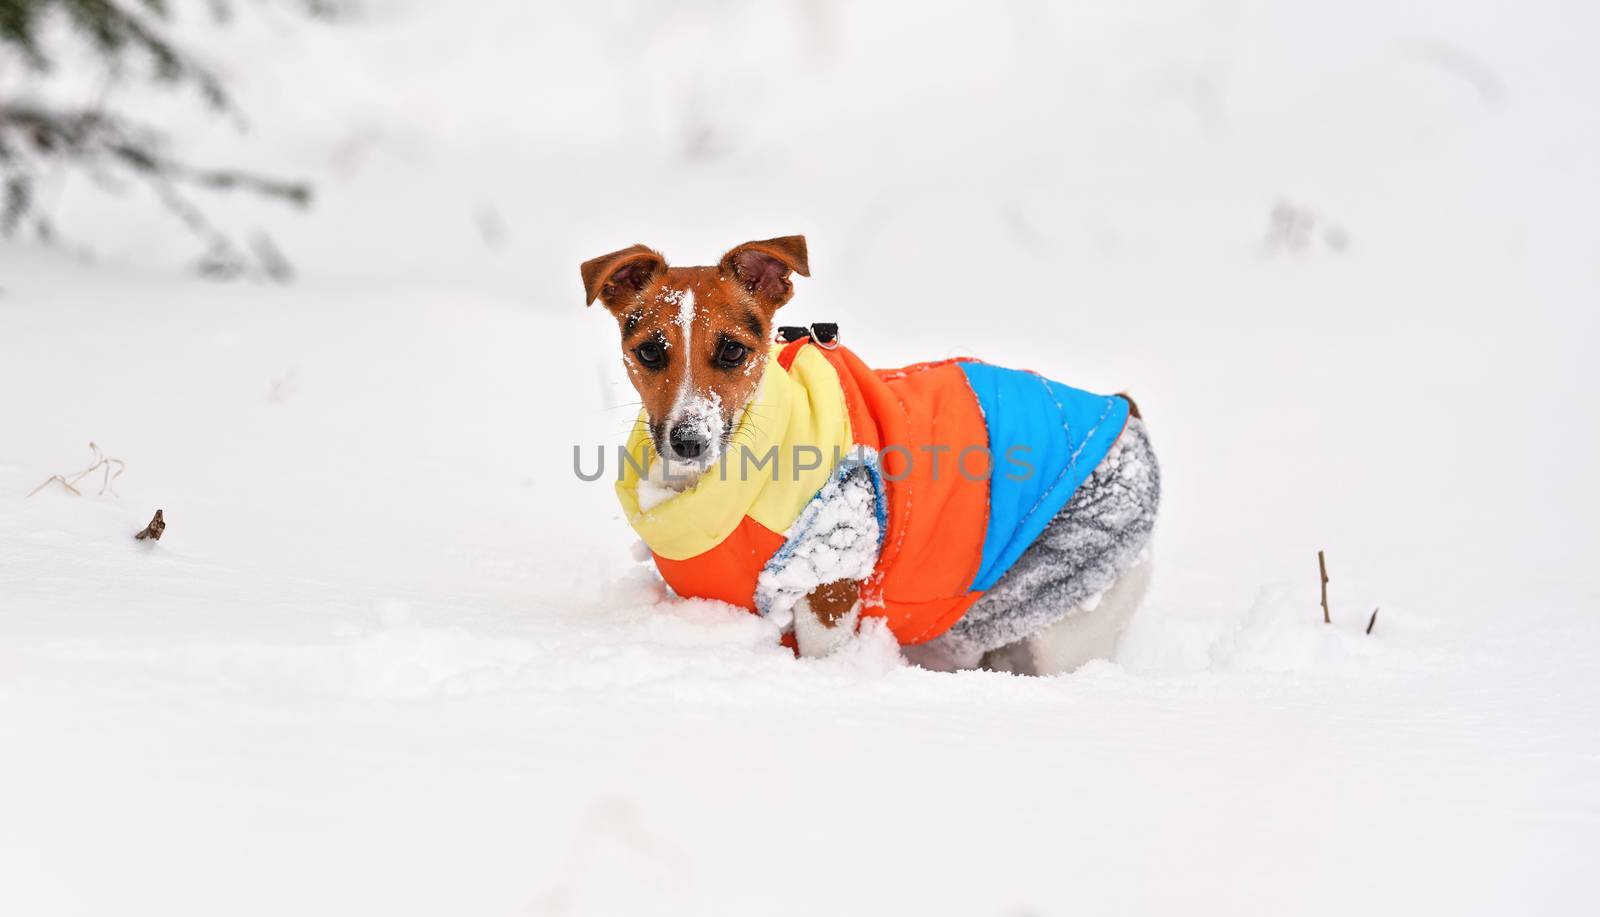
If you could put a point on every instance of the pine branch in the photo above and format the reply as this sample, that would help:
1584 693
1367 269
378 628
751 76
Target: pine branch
114 30
108 147
98 141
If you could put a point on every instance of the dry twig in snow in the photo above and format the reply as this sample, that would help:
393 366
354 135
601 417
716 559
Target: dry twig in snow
112 469
1322 565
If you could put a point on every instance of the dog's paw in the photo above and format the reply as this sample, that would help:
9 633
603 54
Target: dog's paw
827 618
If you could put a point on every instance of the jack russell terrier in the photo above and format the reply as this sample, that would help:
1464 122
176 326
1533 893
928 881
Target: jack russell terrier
991 517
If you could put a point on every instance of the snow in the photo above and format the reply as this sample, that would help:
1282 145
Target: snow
660 485
836 537
700 414
392 656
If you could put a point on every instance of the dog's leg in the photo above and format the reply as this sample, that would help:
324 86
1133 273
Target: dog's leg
1087 633
944 656
827 617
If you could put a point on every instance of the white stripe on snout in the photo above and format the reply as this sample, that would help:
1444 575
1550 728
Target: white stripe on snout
686 322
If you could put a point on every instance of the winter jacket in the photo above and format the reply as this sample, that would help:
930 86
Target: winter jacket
969 462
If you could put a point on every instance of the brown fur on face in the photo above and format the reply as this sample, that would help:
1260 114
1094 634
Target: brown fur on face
681 327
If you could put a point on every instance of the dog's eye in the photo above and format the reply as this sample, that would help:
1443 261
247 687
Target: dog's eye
651 354
731 354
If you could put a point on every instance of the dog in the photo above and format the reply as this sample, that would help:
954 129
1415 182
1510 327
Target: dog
1027 551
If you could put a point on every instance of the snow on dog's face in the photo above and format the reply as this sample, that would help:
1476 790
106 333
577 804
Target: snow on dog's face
694 339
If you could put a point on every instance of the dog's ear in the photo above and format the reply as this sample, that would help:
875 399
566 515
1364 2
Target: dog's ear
763 267
611 277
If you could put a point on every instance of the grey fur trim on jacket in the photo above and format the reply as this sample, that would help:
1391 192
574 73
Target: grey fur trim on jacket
1102 531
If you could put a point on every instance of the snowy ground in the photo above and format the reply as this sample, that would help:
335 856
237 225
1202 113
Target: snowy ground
393 657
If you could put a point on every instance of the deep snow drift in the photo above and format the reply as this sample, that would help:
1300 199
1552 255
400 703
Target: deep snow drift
393 657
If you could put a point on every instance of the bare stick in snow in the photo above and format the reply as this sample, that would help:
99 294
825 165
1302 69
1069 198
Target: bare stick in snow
1372 620
153 531
1322 564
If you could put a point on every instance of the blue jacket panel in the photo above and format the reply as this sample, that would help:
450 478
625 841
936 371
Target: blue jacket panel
1045 439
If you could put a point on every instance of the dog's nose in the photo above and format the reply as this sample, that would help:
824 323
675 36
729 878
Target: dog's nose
686 441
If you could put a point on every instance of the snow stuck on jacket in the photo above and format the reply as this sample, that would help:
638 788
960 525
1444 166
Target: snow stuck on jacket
836 537
663 481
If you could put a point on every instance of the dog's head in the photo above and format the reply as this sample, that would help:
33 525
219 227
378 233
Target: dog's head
694 339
